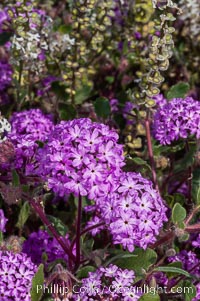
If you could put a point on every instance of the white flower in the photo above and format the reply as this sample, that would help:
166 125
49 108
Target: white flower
5 127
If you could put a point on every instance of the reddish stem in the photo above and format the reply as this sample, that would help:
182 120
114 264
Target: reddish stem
182 277
92 227
39 210
192 214
165 239
193 228
150 151
85 231
189 180
78 232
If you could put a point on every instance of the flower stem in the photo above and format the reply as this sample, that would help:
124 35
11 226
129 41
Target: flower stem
192 214
39 210
150 151
92 227
84 231
78 232
189 179
163 240
180 278
193 228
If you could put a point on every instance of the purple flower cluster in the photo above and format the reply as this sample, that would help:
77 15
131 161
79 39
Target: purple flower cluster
114 105
3 221
7 153
120 11
189 261
46 84
134 211
16 273
81 157
41 242
160 100
179 118
108 283
28 127
5 75
3 17
126 110
197 298
179 187
196 242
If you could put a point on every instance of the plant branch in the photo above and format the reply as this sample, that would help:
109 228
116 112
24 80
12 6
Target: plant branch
193 228
84 231
39 210
150 151
78 232
189 179
165 239
192 214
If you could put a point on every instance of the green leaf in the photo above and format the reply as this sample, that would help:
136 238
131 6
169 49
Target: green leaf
82 94
120 256
83 272
65 28
140 162
178 213
170 269
52 264
58 224
67 111
37 284
15 178
23 215
40 143
184 237
179 198
59 90
141 261
188 159
176 264
1 237
102 107
110 79
151 296
198 195
189 290
178 91
196 186
5 37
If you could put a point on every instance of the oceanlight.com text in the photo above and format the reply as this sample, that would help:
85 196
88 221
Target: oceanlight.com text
101 290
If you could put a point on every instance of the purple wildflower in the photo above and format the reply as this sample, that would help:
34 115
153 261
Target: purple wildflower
80 157
127 111
40 243
189 261
160 100
109 282
5 75
46 83
197 298
114 105
179 187
16 274
27 128
95 220
133 212
3 17
196 242
177 119
3 221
